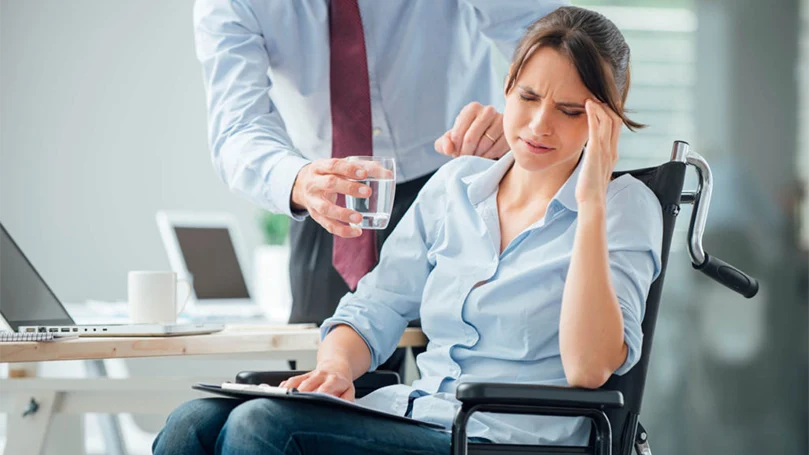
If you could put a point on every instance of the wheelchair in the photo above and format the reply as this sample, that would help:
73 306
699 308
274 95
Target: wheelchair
614 408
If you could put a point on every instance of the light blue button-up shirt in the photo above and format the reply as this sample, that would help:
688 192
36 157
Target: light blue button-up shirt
491 316
426 61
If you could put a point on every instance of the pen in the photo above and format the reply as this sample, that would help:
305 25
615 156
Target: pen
259 388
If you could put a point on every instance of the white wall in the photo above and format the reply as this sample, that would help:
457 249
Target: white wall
102 123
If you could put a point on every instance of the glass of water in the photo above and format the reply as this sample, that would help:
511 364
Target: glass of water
376 208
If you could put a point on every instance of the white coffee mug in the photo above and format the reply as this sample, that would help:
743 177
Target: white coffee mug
153 297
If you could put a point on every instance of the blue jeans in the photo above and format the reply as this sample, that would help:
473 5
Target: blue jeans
274 427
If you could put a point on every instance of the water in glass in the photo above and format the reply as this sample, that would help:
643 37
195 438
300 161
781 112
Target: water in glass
376 208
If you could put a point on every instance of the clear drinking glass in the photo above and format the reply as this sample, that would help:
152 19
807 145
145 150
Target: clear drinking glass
376 208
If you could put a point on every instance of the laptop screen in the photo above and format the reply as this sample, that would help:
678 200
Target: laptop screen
25 298
211 259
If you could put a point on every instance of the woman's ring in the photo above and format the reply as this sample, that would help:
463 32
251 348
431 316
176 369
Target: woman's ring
491 138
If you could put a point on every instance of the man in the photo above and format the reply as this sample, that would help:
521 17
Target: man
293 86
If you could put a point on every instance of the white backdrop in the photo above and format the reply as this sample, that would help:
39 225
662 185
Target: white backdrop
102 123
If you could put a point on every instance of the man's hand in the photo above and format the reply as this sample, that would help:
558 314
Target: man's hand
316 189
331 377
478 131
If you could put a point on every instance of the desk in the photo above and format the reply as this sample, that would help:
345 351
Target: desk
233 340
106 395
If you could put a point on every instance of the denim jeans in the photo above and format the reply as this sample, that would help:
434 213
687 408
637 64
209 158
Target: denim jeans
273 427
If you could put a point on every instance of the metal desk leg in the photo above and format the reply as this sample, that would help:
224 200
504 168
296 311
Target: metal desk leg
109 423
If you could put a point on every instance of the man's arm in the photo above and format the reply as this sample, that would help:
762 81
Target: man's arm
250 147
505 22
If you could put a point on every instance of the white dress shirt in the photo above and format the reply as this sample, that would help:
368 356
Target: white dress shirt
266 73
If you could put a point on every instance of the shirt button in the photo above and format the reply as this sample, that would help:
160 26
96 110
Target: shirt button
377 131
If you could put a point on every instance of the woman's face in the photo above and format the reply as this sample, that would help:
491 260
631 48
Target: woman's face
544 121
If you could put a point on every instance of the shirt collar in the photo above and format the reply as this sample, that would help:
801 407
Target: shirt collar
482 184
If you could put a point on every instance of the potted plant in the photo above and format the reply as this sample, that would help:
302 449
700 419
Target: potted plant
275 228
271 268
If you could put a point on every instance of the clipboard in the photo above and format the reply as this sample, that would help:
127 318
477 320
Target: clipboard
278 393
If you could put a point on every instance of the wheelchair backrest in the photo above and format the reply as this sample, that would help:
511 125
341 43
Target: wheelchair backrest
666 181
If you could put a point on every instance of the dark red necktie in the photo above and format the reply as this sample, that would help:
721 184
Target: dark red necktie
351 124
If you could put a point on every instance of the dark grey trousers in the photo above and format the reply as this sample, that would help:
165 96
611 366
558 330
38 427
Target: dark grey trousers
316 286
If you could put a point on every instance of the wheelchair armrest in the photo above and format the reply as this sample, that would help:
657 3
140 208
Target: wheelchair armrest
475 393
363 385
529 399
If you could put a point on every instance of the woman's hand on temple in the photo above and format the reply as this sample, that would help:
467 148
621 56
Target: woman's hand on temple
478 131
600 155
331 377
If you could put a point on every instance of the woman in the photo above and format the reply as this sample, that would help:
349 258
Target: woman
530 269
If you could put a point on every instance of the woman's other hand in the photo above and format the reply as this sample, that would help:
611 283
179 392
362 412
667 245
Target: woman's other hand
600 155
331 377
478 131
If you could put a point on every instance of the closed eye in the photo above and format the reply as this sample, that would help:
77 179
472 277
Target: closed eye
529 98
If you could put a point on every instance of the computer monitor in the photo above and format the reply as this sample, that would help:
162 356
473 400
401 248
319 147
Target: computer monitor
207 248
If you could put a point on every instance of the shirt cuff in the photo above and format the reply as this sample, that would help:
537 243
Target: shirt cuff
329 325
281 181
633 337
380 327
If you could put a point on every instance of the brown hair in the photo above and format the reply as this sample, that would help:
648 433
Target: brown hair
594 45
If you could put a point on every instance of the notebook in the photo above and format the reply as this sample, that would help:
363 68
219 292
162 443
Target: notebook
249 392
9 337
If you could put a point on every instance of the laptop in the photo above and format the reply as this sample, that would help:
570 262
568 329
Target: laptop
207 249
27 304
